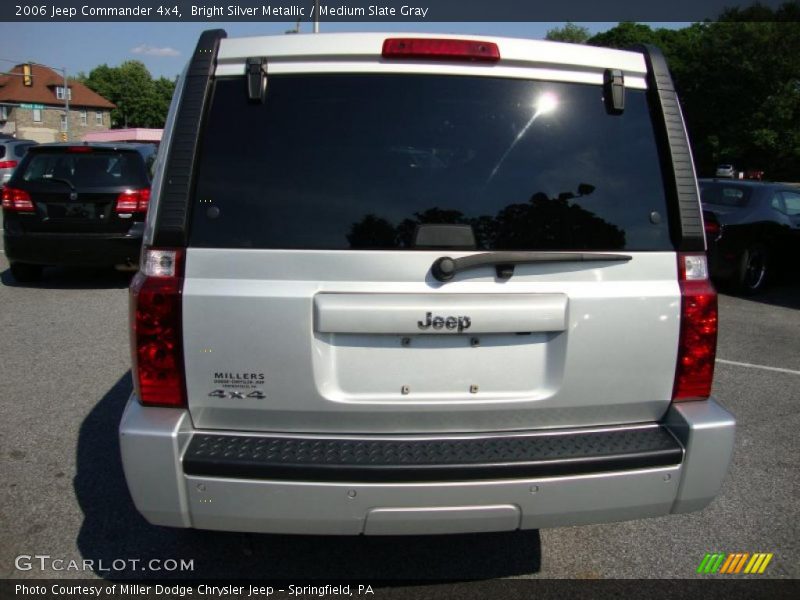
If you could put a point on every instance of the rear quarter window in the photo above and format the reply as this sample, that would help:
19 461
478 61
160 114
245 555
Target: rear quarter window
360 161
792 202
723 194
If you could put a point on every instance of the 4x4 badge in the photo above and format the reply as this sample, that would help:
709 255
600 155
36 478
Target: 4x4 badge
460 323
256 395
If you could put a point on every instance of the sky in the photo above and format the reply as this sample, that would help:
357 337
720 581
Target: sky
164 48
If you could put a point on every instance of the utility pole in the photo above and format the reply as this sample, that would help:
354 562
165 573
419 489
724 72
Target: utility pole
66 100
316 16
296 28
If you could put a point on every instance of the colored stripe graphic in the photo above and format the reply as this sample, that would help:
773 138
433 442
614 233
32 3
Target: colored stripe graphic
739 566
733 563
759 563
736 558
718 562
711 562
704 563
728 563
767 558
754 562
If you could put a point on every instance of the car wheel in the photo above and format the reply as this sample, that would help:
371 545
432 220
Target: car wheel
754 269
25 273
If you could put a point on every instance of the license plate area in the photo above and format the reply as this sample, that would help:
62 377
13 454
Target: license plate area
71 210
412 369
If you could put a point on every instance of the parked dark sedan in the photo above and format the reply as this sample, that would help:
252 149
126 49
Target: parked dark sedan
752 230
79 205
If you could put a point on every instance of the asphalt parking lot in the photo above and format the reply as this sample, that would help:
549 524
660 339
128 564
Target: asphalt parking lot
64 381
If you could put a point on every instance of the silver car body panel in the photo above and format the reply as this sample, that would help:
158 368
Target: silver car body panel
153 440
361 53
400 313
610 324
706 431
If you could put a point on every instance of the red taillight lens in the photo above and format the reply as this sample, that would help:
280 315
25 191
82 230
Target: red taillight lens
156 337
81 149
17 200
444 49
712 229
131 201
697 348
8 164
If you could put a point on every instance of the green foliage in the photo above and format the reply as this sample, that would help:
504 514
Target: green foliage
789 11
739 85
141 101
625 35
569 33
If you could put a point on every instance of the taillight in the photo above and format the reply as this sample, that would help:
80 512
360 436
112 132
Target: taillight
444 49
712 229
133 201
697 348
156 338
8 164
711 225
80 149
17 200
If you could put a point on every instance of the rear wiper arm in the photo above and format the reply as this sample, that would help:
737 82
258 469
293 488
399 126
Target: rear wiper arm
59 179
445 268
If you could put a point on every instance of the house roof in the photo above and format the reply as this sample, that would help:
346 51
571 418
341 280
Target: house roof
43 90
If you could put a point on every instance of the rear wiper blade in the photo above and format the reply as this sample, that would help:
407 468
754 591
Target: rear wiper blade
59 179
445 268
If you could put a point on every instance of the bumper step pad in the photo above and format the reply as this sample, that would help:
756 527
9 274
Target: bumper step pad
408 459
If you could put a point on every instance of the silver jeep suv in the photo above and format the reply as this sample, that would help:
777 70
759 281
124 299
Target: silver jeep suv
401 285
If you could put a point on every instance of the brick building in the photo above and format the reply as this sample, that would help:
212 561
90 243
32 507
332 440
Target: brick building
37 111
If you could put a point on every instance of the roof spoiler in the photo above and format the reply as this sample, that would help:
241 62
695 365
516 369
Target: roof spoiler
173 206
686 222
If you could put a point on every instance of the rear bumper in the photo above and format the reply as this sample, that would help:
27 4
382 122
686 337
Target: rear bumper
172 485
79 250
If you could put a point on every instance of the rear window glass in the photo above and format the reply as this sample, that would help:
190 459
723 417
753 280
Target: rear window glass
90 169
360 161
724 194
2 150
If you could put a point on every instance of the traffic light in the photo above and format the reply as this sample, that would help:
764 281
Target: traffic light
63 136
27 77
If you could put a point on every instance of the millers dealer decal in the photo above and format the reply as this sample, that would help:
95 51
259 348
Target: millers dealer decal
239 385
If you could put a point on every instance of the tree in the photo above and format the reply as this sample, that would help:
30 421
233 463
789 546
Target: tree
141 101
569 33
789 11
625 35
739 86
164 89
